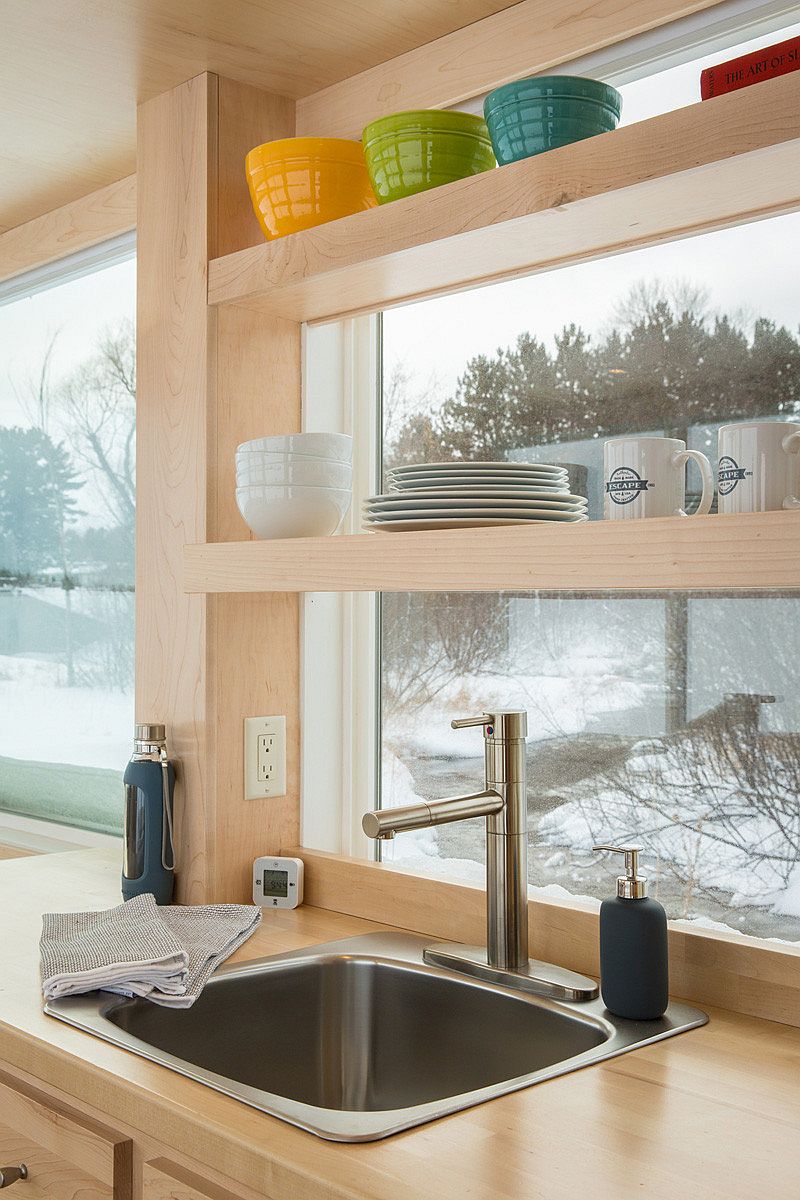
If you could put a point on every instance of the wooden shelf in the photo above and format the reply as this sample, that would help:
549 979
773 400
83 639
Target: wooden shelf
754 552
725 161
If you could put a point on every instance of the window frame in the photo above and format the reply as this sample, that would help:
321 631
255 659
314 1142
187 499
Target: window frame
22 832
339 685
117 249
710 31
342 391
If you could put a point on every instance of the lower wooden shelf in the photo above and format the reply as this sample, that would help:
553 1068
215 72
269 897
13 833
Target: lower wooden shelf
753 551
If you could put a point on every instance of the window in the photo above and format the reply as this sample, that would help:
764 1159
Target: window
659 71
674 86
67 458
673 719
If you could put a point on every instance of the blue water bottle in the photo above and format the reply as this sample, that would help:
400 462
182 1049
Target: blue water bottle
149 844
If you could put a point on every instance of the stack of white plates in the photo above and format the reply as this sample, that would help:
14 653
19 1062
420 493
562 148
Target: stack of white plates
460 494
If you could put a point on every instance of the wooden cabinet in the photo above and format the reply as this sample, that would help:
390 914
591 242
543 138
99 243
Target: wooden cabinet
68 1156
163 1180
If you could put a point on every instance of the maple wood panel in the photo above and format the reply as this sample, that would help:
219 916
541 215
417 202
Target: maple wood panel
14 852
207 380
84 223
177 161
74 71
164 1180
745 975
759 550
712 1114
725 161
67 1156
525 39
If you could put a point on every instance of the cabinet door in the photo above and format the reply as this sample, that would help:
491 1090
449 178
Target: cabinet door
163 1180
68 1156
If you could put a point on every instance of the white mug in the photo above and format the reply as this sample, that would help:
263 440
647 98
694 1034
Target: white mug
759 466
646 477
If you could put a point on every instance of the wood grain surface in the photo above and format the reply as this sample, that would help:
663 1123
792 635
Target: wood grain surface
725 161
86 222
75 70
713 1114
743 974
68 1156
527 38
759 550
207 381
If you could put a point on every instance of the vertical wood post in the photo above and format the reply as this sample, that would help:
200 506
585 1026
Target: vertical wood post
206 381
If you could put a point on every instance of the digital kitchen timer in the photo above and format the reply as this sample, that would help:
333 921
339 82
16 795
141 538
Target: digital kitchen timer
278 882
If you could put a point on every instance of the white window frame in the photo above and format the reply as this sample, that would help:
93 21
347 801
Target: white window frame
64 270
48 837
711 31
339 652
32 833
340 695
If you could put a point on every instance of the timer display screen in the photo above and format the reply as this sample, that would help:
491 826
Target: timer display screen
276 884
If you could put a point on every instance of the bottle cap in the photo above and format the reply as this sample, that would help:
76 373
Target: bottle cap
151 735
631 885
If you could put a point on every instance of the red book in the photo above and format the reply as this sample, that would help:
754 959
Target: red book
750 68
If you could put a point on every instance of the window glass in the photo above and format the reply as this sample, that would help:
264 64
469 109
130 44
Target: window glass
679 86
670 718
67 459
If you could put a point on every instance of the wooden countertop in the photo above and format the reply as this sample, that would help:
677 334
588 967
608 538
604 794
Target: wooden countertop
713 1114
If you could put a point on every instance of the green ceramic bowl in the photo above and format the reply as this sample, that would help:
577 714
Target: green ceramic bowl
410 152
534 115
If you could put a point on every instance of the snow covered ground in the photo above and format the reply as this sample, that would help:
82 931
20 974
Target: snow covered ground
45 722
709 864
418 851
685 825
696 876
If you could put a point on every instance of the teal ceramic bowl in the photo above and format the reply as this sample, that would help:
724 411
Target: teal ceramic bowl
534 115
411 152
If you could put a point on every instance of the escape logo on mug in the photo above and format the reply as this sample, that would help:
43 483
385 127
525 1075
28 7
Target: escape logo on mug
625 485
729 473
645 476
759 466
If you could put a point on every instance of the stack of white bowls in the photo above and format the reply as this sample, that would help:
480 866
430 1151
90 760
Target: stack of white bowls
295 485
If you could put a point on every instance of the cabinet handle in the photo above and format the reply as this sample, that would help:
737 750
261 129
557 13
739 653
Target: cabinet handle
9 1175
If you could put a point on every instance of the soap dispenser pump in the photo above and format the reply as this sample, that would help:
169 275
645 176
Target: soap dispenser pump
634 970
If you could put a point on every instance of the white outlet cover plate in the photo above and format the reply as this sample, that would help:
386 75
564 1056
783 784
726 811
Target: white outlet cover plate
264 757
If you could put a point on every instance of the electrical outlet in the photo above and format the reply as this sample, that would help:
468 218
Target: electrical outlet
264 757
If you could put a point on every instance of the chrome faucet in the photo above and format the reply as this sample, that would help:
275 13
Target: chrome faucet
503 802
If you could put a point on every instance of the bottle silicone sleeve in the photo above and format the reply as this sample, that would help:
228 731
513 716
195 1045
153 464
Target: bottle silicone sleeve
791 445
679 461
157 878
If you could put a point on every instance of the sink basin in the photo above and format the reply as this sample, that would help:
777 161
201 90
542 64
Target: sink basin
357 1039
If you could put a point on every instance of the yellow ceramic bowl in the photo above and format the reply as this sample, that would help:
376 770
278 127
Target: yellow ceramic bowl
296 183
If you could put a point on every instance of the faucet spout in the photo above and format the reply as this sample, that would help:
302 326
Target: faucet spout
503 802
384 823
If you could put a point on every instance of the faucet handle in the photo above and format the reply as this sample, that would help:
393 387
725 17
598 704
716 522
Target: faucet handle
465 722
503 724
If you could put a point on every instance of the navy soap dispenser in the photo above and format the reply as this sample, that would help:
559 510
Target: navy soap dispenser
634 969
149 847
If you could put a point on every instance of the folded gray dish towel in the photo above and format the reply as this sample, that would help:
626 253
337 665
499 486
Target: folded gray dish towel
138 949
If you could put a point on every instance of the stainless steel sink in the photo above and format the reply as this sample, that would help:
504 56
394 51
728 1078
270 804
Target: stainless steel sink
357 1039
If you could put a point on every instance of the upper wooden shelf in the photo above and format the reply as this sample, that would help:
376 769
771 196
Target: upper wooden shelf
727 160
760 550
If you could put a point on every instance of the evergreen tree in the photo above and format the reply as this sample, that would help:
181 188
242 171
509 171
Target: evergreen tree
665 366
37 500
